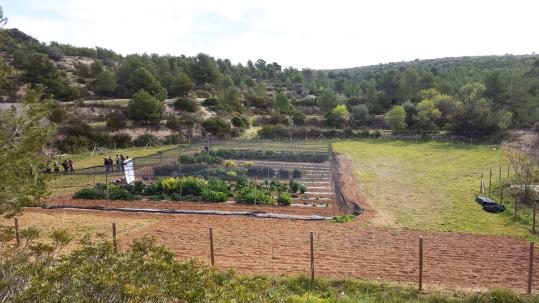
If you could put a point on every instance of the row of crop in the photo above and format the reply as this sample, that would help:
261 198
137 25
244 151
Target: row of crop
285 156
198 189
230 173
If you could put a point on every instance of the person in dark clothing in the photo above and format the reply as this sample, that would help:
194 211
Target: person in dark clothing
122 159
65 165
106 164
70 166
56 167
118 164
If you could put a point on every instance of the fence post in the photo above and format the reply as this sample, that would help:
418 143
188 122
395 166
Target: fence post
312 257
211 248
530 269
500 177
489 182
17 236
533 217
420 286
114 243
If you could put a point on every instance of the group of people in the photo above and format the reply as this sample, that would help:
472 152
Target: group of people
108 162
66 164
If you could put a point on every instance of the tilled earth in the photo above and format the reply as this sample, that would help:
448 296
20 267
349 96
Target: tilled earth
351 250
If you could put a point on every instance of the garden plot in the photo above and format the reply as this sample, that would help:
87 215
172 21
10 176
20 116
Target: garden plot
223 176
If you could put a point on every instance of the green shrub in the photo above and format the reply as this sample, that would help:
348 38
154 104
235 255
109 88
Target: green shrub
144 139
191 186
121 140
204 157
218 185
216 126
120 194
152 189
186 104
210 102
342 219
284 199
249 195
213 196
168 185
302 188
116 120
296 174
294 186
135 188
278 186
90 193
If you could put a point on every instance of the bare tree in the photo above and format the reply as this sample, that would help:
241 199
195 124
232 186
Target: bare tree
523 158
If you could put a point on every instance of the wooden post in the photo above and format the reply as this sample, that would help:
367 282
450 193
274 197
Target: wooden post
17 236
420 287
312 257
533 216
500 177
107 185
507 171
114 243
211 248
501 194
530 269
489 182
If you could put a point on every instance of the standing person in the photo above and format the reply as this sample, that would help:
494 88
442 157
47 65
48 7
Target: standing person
110 163
118 166
122 159
56 167
70 165
65 165
106 164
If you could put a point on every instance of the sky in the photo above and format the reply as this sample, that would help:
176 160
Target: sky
300 33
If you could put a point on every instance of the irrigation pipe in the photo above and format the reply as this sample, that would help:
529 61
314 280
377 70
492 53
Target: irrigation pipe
255 214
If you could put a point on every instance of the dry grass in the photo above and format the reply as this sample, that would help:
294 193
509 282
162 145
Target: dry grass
428 185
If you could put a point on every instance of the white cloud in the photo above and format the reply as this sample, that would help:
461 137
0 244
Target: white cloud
316 34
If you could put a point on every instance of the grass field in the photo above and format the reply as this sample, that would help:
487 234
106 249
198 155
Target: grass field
429 185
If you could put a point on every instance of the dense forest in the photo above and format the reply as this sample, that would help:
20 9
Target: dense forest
469 96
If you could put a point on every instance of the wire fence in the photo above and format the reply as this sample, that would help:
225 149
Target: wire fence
283 247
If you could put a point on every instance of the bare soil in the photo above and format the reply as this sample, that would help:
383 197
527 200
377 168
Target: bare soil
351 250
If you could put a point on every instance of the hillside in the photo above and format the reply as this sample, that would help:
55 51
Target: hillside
180 97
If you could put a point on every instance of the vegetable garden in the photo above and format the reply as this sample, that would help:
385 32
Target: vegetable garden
261 173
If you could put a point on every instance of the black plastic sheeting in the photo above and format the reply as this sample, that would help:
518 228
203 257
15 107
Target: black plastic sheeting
489 205
255 214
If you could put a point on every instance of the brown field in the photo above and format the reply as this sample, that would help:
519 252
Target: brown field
281 247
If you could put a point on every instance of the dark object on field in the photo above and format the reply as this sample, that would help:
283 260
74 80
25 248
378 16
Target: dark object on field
489 205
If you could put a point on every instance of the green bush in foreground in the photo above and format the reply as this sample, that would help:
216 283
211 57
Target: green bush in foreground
39 271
